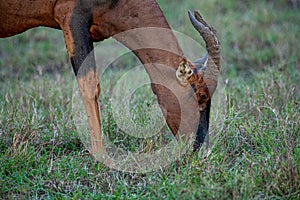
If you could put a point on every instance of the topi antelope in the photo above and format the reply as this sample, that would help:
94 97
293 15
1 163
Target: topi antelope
86 21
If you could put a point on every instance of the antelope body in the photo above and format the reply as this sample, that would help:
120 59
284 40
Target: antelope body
86 21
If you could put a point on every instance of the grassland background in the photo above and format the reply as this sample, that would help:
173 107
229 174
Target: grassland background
256 154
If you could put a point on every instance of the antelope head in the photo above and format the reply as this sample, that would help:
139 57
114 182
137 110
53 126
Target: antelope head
202 74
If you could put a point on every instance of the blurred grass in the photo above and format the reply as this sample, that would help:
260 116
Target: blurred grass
256 155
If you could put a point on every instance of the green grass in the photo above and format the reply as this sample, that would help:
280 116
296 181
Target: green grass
256 154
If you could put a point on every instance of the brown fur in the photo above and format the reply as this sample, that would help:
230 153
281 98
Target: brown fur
85 21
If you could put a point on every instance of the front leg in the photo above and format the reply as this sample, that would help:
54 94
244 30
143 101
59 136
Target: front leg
75 26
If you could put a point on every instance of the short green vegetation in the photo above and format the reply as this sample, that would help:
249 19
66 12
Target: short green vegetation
256 151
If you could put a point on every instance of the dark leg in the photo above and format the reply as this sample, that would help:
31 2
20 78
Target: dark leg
75 26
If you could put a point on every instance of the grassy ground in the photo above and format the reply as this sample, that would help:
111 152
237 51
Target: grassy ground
255 156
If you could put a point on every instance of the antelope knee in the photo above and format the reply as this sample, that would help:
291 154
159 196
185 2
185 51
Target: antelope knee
89 86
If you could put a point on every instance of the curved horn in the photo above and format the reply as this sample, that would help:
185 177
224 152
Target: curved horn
210 37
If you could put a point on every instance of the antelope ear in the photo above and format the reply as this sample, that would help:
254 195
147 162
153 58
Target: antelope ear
201 63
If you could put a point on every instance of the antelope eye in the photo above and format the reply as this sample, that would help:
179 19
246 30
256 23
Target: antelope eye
202 96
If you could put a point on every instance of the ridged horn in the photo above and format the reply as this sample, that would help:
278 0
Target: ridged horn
212 42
